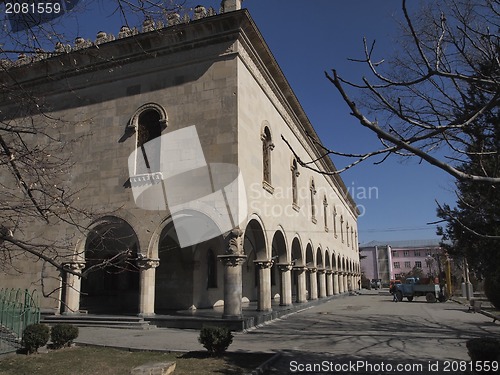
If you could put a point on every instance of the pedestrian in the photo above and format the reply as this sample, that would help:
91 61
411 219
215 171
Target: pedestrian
393 291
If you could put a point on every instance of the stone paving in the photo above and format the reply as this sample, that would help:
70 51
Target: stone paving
368 328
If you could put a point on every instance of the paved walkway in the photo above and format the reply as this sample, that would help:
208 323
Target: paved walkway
367 328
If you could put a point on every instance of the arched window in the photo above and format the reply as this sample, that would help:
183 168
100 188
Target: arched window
267 147
148 128
313 204
325 208
295 174
347 233
335 221
342 228
211 269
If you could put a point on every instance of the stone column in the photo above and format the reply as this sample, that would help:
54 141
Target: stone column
264 297
349 282
286 284
322 283
336 283
301 283
313 282
345 281
233 283
72 286
341 282
329 282
233 288
147 269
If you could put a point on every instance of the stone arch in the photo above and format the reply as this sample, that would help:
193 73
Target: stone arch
297 257
321 276
111 281
328 263
181 276
148 123
311 284
280 255
279 248
254 246
255 239
320 263
162 113
310 258
298 273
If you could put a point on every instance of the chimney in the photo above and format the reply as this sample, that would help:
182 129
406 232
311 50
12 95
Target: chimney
231 5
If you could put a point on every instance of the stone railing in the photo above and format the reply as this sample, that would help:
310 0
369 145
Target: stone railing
102 37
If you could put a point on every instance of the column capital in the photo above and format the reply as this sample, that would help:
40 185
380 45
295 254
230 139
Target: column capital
299 268
284 267
264 263
234 242
232 260
329 272
312 269
147 263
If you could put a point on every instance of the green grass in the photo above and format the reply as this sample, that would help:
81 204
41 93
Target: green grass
107 361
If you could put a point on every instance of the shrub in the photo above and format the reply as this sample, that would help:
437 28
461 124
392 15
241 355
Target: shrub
215 339
63 334
484 349
492 289
35 336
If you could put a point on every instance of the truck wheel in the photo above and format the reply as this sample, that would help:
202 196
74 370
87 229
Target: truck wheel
399 295
430 297
410 298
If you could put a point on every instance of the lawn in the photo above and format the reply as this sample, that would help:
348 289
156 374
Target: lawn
107 361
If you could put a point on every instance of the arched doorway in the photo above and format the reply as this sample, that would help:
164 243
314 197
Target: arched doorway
111 278
254 246
174 275
299 273
280 277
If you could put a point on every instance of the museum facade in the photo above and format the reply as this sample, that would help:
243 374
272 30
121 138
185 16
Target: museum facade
192 113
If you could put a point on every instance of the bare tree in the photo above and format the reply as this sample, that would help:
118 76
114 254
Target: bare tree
417 103
36 193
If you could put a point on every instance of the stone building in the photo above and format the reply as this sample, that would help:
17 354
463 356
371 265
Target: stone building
295 234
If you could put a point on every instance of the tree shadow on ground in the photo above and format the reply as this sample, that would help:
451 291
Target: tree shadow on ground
234 362
327 363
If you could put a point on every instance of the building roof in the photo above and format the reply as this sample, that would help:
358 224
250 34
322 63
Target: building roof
404 243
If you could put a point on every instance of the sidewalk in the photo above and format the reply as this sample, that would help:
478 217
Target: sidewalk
342 330
487 308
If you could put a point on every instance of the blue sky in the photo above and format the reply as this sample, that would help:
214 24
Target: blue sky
308 38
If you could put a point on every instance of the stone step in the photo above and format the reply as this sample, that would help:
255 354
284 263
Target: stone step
84 320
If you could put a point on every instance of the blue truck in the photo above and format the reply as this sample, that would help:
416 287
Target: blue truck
413 288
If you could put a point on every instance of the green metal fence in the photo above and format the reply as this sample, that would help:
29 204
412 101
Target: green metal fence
18 309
